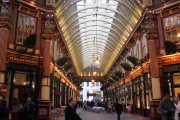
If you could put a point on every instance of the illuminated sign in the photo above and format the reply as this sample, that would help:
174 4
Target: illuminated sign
169 60
23 59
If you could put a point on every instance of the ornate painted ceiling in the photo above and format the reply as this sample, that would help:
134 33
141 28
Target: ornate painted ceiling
96 30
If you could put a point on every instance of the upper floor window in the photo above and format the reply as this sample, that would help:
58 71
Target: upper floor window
172 28
26 26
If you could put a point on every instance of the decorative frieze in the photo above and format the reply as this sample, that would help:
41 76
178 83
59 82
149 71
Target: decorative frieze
27 10
5 22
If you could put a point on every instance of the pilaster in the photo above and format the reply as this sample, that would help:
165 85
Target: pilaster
150 26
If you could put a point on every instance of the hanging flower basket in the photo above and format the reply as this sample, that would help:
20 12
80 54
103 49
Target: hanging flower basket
67 66
170 47
111 81
126 66
115 77
118 73
133 60
62 61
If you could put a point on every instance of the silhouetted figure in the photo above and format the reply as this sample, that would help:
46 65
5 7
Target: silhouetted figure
119 109
4 111
29 110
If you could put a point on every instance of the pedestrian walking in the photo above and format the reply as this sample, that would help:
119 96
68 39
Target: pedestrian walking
70 111
29 110
167 108
118 109
177 110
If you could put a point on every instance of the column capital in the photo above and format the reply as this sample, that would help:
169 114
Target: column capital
47 36
152 36
5 22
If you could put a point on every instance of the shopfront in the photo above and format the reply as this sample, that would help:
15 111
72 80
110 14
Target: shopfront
22 80
171 76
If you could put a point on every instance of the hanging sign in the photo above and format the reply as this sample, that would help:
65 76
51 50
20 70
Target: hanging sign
3 90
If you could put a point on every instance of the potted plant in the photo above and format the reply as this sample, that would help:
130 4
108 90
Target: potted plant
170 47
126 66
67 66
110 81
133 60
30 42
115 77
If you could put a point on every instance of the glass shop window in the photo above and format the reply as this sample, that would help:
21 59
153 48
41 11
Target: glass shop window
22 78
176 78
26 26
172 28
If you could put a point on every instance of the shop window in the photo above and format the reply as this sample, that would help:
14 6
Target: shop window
26 26
176 78
21 78
177 92
172 28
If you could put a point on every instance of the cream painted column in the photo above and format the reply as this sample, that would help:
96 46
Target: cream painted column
156 92
45 88
45 84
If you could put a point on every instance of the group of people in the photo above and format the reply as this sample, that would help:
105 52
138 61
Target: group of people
26 112
70 111
169 108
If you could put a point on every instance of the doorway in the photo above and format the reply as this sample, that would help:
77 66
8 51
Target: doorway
23 85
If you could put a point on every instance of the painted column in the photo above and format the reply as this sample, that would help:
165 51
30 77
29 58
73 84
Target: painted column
150 24
45 87
44 104
156 93
5 26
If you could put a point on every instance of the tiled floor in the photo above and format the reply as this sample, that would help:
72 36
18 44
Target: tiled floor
88 115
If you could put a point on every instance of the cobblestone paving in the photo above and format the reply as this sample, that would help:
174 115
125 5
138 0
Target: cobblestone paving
88 115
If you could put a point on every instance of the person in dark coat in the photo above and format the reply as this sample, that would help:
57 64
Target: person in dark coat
167 108
118 109
70 111
29 110
4 110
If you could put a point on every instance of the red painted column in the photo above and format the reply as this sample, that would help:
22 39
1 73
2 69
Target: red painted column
4 38
44 104
150 25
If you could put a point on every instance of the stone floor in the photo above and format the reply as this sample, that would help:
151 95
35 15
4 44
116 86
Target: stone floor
88 115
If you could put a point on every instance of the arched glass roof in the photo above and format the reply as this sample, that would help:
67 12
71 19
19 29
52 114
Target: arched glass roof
96 29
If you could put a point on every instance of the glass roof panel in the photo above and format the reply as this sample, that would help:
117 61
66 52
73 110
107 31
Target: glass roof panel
96 29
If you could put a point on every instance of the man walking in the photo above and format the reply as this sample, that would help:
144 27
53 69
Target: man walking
29 110
118 109
70 111
167 108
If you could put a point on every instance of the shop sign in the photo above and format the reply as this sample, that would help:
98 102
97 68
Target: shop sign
23 59
3 90
169 60
91 94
